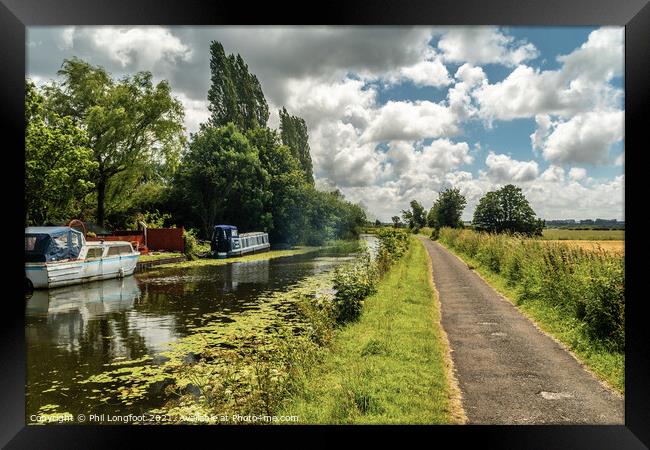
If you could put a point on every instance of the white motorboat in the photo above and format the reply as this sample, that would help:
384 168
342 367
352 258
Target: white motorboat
60 256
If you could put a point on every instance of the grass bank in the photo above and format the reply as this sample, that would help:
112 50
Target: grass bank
159 256
390 365
573 294
202 262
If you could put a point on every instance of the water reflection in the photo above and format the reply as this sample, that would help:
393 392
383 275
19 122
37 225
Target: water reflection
75 332
88 299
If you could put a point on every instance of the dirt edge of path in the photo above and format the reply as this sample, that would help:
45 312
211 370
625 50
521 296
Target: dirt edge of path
582 364
455 395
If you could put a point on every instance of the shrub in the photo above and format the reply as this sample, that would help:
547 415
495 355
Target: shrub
353 283
191 244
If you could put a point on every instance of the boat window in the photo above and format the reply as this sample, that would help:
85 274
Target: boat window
113 251
30 243
61 241
94 252
125 250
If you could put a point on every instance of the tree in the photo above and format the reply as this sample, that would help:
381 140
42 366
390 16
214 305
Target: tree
397 223
447 209
287 186
221 177
235 95
131 123
58 163
506 211
293 131
415 218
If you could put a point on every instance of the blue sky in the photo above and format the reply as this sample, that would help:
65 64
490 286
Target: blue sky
399 113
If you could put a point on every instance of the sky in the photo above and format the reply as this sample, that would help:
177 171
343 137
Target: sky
401 113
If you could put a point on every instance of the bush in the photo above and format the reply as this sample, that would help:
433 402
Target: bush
191 247
435 234
353 283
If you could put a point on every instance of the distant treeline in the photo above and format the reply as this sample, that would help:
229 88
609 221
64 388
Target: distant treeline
586 224
114 152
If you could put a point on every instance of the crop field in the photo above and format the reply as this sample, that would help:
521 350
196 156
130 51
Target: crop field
555 234
611 246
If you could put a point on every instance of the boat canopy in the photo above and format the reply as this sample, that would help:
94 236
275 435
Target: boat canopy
43 244
226 227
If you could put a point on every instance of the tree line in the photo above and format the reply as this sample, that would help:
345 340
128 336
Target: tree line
114 151
505 210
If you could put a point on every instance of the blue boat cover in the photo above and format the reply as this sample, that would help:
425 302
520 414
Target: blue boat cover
226 227
44 244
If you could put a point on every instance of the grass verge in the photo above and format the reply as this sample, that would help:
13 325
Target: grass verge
389 366
607 365
247 258
158 256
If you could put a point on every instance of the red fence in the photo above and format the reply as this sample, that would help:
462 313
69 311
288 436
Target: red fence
169 239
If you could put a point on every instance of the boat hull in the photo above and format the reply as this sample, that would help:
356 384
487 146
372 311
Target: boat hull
252 249
65 273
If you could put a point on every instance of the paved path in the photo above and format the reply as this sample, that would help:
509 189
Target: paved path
508 371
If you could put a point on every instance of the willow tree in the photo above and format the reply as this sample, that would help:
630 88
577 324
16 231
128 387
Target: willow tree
235 94
130 123
58 163
293 131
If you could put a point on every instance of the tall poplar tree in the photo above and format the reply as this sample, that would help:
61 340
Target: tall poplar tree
235 94
293 132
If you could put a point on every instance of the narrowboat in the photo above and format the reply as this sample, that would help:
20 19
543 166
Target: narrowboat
60 256
227 242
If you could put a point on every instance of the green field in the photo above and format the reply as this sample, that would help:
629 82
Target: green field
587 235
389 367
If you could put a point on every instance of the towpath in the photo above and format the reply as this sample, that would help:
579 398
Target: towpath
508 371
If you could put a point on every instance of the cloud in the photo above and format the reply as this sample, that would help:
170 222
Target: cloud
585 138
406 120
580 85
484 45
552 174
138 47
196 112
577 173
502 168
429 72
600 58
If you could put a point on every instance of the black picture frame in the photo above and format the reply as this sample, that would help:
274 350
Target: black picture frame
15 15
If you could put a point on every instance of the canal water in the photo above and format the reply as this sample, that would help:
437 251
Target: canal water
77 332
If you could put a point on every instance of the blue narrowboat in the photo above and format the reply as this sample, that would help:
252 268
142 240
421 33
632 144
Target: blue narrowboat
227 242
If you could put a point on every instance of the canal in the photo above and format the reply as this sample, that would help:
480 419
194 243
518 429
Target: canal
75 334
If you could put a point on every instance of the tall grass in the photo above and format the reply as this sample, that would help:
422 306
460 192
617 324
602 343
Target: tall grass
586 285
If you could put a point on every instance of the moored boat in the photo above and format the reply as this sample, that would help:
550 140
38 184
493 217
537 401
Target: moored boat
60 256
226 242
